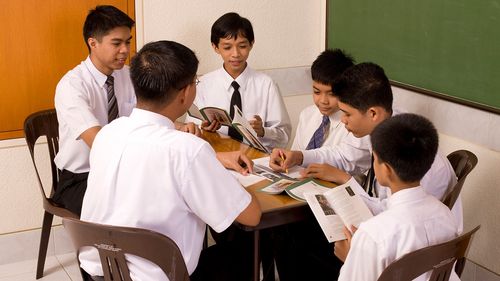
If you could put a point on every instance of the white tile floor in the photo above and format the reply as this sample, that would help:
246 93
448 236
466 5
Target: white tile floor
57 268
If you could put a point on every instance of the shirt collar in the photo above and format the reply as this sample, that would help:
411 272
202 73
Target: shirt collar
404 196
151 117
241 79
99 77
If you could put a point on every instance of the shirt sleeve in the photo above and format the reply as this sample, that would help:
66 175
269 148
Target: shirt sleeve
277 126
212 193
375 204
352 155
365 260
73 105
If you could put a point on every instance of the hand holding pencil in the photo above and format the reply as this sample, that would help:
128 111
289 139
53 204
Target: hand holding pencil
281 160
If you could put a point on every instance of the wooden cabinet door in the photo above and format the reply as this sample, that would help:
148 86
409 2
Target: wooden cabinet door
41 41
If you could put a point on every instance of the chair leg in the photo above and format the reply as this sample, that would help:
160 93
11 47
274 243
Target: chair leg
44 243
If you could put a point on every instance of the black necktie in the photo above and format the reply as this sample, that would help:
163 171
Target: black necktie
112 104
369 182
235 100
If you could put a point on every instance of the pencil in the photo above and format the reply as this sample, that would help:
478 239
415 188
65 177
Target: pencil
283 158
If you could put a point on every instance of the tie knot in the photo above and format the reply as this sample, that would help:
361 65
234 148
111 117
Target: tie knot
110 80
235 85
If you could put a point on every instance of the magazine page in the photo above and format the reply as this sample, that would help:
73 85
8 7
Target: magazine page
194 111
243 126
293 172
249 179
308 185
215 113
331 223
349 206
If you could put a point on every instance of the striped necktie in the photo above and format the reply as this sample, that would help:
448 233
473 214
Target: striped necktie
235 100
319 135
112 104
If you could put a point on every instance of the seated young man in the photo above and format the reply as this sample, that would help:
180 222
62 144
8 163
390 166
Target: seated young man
236 83
404 148
146 174
365 98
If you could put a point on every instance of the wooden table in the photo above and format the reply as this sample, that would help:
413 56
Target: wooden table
276 209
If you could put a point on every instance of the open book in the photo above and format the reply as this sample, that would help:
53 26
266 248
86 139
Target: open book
238 122
337 207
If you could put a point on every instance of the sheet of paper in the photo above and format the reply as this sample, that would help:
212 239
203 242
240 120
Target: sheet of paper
247 180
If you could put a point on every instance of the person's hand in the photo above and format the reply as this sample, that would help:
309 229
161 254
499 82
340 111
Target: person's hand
188 128
281 160
257 125
325 172
236 160
210 126
342 247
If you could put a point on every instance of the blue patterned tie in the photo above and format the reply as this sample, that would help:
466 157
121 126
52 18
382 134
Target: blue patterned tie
319 135
112 104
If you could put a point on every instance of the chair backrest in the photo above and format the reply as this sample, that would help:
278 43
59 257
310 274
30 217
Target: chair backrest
39 124
463 162
438 258
113 242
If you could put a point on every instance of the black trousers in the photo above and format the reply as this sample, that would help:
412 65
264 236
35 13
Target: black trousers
70 190
302 252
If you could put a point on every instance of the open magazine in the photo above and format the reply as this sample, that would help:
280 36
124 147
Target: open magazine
238 122
262 171
335 208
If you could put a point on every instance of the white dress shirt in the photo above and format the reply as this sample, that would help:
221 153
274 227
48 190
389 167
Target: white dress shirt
259 96
350 154
435 182
146 174
310 119
81 103
413 220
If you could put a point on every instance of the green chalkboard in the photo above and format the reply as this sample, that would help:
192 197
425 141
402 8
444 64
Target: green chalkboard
450 48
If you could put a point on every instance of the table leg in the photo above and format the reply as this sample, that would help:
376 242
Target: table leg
256 255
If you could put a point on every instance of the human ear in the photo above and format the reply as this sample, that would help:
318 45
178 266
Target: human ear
216 48
92 42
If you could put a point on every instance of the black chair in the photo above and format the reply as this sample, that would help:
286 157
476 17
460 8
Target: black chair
39 124
463 162
113 242
438 258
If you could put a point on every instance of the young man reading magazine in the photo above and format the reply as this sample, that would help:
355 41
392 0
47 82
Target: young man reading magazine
404 148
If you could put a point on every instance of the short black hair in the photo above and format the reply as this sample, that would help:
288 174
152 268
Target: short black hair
103 19
160 69
408 143
363 86
231 25
329 65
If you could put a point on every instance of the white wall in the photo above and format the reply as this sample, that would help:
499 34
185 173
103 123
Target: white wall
285 42
281 39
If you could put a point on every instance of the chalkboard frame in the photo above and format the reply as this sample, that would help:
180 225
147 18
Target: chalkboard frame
420 90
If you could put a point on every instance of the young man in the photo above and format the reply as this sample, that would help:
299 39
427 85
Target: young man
365 98
90 96
235 83
301 249
404 148
319 124
146 174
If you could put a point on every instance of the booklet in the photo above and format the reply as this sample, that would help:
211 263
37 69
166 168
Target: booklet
238 122
335 208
